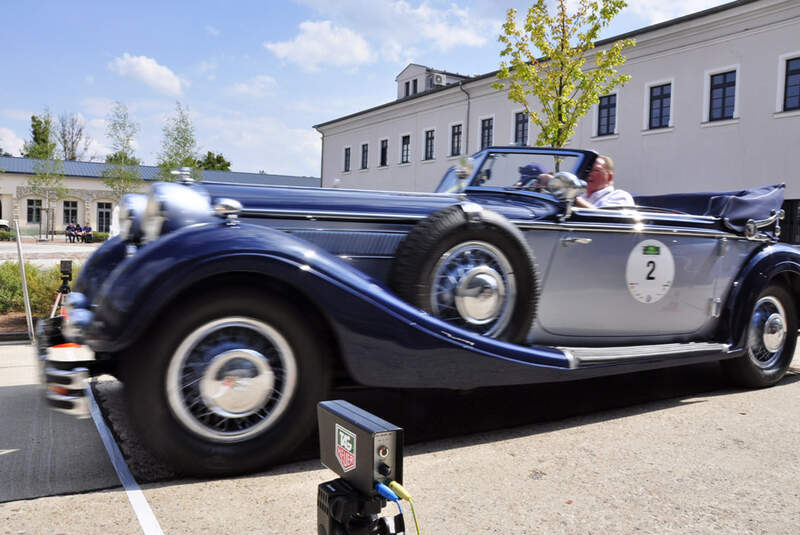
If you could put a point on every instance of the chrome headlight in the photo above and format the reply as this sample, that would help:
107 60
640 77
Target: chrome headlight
131 213
172 206
565 186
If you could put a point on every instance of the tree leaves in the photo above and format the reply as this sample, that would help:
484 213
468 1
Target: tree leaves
558 79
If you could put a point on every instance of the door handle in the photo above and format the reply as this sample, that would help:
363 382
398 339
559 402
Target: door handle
571 240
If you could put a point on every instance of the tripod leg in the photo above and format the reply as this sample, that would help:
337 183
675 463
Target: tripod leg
55 305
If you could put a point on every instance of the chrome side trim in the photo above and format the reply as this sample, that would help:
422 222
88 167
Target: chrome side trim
638 228
328 214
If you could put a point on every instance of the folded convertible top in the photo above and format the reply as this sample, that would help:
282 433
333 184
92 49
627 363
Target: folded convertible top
737 207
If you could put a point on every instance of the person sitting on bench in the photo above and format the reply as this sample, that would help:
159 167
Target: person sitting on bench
87 233
69 231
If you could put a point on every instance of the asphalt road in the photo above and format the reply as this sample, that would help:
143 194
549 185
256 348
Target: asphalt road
671 451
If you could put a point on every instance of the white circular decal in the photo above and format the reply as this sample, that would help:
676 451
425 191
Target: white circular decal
649 271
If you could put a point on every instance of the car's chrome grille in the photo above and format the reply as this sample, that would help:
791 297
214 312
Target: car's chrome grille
353 243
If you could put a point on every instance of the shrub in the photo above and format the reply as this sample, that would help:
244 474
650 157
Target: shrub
99 236
43 284
7 235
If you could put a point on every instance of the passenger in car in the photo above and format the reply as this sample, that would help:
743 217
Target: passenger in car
533 176
600 190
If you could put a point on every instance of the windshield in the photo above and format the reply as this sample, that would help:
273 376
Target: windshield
507 169
504 169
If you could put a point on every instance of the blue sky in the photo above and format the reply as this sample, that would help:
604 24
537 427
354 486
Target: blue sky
255 75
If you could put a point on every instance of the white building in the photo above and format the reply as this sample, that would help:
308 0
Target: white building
87 199
723 86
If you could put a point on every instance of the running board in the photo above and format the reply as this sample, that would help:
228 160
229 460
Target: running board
593 356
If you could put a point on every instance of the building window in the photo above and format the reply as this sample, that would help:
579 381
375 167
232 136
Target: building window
70 212
414 86
429 144
103 216
407 85
384 152
487 125
455 140
521 128
34 211
791 94
660 100
405 144
347 159
607 115
364 155
723 96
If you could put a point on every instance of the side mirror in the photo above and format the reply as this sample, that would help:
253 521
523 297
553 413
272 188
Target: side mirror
566 187
464 168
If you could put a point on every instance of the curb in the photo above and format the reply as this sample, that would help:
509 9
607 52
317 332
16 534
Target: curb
14 337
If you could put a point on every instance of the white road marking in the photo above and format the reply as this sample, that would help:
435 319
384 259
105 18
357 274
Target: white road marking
147 520
3 452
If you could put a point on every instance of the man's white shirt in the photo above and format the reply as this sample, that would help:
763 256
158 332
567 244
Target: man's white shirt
609 196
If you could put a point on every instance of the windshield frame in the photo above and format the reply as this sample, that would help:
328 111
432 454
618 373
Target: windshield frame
451 184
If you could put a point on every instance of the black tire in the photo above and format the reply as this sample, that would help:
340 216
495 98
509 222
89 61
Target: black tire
421 267
770 343
215 353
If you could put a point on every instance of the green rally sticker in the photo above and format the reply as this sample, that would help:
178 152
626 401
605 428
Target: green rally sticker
651 250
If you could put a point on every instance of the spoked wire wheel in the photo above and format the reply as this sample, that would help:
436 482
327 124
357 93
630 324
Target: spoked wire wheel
231 379
767 332
473 285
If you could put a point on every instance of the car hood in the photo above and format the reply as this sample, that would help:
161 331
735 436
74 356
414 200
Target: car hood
299 201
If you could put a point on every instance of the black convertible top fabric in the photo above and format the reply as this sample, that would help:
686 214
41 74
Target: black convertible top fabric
736 206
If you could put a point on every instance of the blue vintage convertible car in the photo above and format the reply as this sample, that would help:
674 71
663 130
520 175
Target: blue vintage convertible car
233 309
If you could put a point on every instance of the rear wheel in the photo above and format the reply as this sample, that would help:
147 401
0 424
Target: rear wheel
229 385
771 340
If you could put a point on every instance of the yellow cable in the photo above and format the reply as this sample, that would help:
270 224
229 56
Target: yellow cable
405 495
413 512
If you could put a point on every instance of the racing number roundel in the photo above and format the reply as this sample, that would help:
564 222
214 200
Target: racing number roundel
649 271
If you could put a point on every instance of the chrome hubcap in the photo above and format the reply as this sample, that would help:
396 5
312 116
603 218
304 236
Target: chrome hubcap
473 286
237 383
479 296
767 332
231 379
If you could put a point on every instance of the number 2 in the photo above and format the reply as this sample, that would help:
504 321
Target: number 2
652 265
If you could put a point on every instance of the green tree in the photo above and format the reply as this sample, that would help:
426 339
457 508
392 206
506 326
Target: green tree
42 146
73 142
214 162
564 89
121 174
178 146
47 180
4 153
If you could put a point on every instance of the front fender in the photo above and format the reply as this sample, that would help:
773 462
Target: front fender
383 340
759 272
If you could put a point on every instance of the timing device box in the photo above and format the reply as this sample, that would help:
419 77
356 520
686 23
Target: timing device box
360 447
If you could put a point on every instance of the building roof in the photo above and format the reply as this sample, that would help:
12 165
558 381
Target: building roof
628 35
27 166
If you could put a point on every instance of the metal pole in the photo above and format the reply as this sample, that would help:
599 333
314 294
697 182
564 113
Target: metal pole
28 315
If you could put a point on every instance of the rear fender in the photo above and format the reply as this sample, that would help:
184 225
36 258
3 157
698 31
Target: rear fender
773 262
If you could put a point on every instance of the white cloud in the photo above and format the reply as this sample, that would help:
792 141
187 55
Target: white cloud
260 143
10 142
323 43
212 31
149 71
396 25
655 11
257 86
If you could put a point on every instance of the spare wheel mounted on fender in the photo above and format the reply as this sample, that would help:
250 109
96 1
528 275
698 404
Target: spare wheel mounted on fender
470 267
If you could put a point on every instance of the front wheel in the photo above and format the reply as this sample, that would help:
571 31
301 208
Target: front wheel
771 340
229 385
